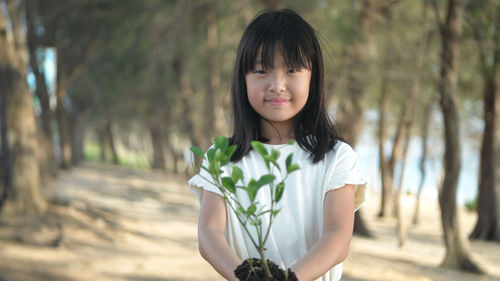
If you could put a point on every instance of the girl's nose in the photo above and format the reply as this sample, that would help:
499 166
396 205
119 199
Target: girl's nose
277 84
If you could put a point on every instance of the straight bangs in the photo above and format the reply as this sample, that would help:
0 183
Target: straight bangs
277 33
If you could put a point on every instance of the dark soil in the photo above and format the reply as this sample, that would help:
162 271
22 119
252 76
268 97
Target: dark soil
252 270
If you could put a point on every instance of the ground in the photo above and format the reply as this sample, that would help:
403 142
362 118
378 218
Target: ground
110 223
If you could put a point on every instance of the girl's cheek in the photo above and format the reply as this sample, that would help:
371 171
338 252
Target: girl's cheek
253 89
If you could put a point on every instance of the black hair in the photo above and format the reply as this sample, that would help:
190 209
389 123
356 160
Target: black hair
300 47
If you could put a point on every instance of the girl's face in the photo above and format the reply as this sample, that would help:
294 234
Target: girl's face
278 93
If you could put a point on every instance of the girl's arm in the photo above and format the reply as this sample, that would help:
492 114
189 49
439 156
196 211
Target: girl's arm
213 245
333 246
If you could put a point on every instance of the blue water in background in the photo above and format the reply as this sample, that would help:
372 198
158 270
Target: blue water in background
368 157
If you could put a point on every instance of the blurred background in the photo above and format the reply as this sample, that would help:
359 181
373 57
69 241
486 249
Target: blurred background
100 101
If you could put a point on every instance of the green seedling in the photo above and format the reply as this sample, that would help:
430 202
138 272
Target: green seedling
219 156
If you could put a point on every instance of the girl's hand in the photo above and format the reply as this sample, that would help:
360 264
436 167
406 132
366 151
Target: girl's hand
252 270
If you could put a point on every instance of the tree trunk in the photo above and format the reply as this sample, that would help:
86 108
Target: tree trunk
497 148
210 128
408 116
157 137
24 194
496 126
457 251
48 162
5 158
61 116
183 84
111 141
349 119
101 138
360 227
423 160
487 220
174 155
401 223
397 153
386 175
486 210
77 134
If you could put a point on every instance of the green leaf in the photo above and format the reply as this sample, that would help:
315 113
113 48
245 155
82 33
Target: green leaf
275 154
291 142
292 168
228 184
241 210
221 143
275 212
251 210
219 156
211 154
289 160
230 150
237 174
212 168
242 187
196 150
266 179
269 159
252 189
228 153
280 188
260 148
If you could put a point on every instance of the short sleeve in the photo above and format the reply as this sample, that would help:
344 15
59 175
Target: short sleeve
203 181
344 169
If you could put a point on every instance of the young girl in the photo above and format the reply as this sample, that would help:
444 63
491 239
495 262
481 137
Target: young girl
278 95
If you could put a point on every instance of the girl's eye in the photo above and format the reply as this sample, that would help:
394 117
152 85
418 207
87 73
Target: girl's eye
294 70
260 71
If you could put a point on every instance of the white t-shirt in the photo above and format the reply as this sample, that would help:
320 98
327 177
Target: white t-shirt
298 226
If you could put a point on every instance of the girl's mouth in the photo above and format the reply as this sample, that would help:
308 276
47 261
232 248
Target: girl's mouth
277 101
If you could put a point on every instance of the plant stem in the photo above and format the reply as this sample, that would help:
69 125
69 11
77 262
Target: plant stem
264 263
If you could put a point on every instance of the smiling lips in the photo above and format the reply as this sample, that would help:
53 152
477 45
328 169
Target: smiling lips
277 101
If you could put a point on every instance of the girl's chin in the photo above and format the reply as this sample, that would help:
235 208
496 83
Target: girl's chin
278 119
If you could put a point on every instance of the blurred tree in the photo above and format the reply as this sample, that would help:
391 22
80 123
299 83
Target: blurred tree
73 36
497 154
48 164
20 147
210 128
457 252
483 18
387 165
350 113
424 133
273 4
407 115
183 81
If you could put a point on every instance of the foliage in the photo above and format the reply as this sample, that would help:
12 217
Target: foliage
92 152
471 205
218 157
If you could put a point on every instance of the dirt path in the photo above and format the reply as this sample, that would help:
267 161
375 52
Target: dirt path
120 224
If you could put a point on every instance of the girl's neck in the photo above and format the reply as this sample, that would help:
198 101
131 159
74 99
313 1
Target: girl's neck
277 132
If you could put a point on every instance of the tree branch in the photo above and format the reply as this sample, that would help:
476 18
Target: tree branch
438 17
479 38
